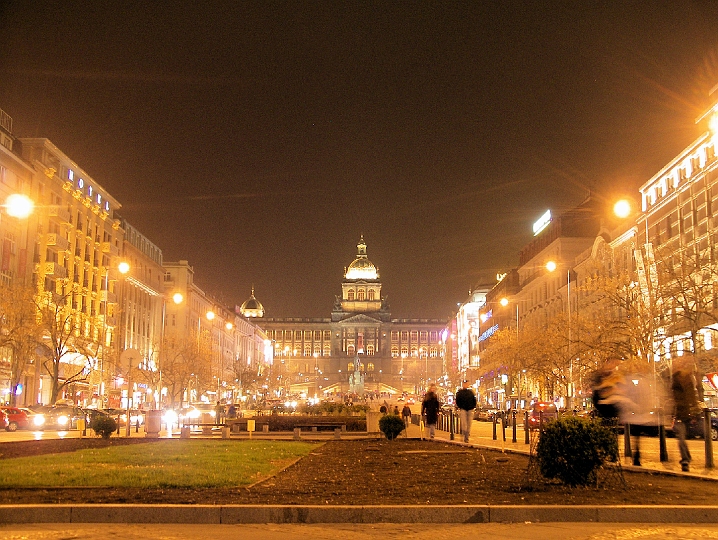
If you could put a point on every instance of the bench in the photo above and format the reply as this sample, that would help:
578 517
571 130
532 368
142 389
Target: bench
237 424
314 426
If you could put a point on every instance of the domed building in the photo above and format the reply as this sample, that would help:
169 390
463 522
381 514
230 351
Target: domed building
252 307
359 349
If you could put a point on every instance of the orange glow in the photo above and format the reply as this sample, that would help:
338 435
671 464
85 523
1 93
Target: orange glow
177 298
504 302
622 208
551 266
19 206
123 267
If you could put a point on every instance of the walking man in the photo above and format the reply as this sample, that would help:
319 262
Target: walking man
466 403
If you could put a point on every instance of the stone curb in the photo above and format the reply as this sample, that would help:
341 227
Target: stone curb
237 514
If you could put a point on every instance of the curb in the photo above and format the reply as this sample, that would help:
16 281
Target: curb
255 514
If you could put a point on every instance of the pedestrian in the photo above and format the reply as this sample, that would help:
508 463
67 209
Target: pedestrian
605 385
406 415
430 410
219 412
396 410
232 411
466 403
685 399
383 409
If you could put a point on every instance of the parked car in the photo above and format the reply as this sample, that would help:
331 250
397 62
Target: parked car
17 418
541 411
60 417
695 427
485 414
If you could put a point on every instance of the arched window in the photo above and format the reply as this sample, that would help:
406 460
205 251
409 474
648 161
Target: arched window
414 352
350 350
371 294
370 367
350 366
370 350
405 351
395 352
327 350
360 294
350 294
361 366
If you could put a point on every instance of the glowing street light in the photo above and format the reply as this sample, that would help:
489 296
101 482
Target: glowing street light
123 267
210 315
622 208
19 206
177 298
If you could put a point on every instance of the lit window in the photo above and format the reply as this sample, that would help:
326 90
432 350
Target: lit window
371 294
360 295
350 366
350 294
370 367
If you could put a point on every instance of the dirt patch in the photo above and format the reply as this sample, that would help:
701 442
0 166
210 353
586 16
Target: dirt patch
378 472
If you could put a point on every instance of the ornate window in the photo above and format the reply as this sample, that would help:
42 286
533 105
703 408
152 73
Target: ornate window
350 294
350 366
370 366
370 350
360 295
395 352
371 294
351 350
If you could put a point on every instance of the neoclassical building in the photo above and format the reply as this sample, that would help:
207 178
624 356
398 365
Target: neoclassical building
359 348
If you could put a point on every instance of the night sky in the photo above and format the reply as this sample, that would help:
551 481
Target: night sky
259 140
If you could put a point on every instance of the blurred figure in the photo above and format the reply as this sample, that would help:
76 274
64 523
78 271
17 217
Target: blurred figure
466 403
686 402
430 410
636 408
605 386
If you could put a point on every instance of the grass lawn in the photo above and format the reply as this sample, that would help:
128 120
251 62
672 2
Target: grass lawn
175 463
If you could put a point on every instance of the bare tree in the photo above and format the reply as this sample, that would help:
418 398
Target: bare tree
19 331
67 342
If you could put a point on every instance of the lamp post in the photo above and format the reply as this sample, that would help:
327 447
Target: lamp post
177 298
551 266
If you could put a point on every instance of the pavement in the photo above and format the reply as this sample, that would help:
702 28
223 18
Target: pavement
76 520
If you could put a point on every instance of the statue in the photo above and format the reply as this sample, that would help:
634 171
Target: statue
356 379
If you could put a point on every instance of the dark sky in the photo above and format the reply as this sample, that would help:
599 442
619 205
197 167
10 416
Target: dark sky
259 140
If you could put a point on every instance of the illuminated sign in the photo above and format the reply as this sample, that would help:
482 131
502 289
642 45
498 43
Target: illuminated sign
542 222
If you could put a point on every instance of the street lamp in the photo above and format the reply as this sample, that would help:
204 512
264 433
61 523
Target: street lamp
19 206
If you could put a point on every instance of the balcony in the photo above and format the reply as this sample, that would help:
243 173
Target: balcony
57 243
111 320
59 214
54 269
109 247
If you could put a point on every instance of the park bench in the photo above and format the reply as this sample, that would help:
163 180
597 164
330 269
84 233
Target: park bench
239 424
314 426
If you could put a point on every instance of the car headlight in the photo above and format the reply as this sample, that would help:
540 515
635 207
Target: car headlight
63 420
170 417
38 420
193 414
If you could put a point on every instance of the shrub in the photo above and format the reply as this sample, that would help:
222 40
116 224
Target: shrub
103 425
391 425
572 449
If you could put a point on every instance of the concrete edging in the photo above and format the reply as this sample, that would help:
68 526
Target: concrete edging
237 514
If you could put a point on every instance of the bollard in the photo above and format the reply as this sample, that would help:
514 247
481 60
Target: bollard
627 441
494 426
337 433
503 428
184 432
708 437
513 422
137 426
297 433
526 427
265 428
451 425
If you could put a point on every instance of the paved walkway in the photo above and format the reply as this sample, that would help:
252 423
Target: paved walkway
482 437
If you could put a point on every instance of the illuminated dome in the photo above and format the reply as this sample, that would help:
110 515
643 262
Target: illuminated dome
361 267
252 307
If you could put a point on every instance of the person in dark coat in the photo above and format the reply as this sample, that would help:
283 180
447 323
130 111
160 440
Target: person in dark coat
430 410
406 415
685 398
466 403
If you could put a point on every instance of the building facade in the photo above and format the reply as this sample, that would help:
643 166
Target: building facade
359 349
